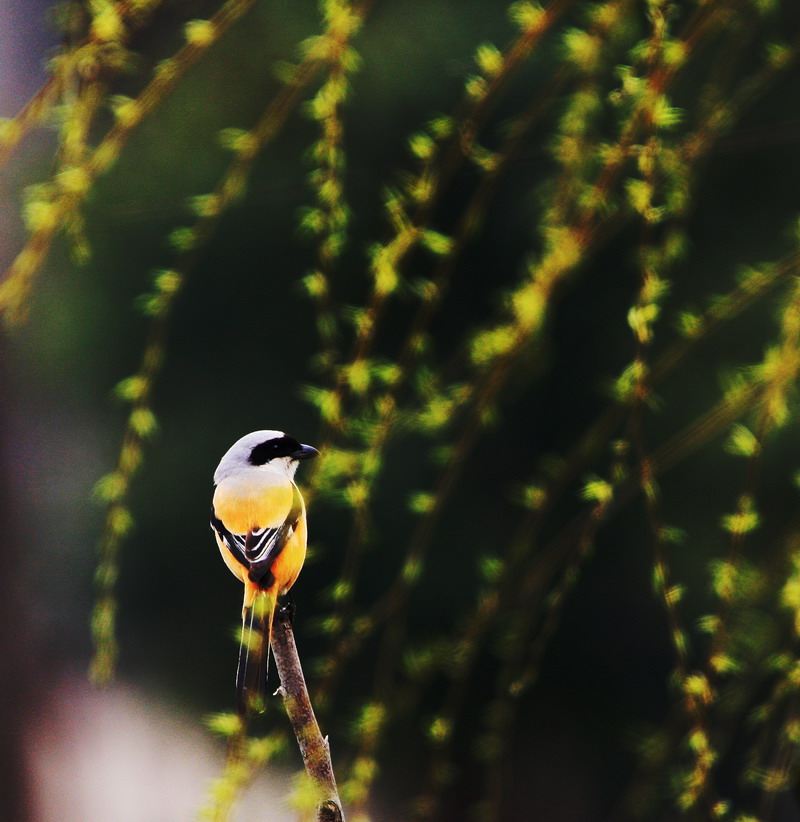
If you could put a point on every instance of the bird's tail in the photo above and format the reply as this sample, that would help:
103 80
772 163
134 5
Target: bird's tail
251 675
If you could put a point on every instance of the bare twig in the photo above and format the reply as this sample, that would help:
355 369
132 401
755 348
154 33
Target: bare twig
313 746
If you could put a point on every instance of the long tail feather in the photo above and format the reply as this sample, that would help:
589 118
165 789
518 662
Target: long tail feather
251 675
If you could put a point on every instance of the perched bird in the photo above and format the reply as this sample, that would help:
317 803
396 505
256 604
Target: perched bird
259 520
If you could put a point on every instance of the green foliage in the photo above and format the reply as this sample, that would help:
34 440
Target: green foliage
602 86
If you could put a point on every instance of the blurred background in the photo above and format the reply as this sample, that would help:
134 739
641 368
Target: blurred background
477 617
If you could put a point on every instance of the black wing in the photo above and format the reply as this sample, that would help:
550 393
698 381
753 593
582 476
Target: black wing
233 542
258 549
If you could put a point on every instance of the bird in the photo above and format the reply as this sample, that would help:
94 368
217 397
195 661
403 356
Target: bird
258 518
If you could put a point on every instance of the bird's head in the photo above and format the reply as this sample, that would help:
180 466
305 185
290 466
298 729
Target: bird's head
263 450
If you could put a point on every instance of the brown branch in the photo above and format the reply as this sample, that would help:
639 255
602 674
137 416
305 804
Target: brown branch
314 747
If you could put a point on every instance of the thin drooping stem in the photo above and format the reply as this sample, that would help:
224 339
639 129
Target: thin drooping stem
313 746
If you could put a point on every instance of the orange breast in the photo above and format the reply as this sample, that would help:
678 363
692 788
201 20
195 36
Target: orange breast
261 502
287 565
255 501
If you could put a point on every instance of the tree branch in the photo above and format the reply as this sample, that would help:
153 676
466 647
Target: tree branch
313 747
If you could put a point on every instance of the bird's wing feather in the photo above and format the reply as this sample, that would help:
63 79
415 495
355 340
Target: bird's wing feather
258 549
233 542
263 549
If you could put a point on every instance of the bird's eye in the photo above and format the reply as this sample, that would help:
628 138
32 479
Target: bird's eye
273 449
261 454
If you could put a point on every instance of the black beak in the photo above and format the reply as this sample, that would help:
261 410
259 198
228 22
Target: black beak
304 452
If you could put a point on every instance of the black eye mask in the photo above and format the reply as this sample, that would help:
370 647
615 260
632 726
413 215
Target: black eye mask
273 449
